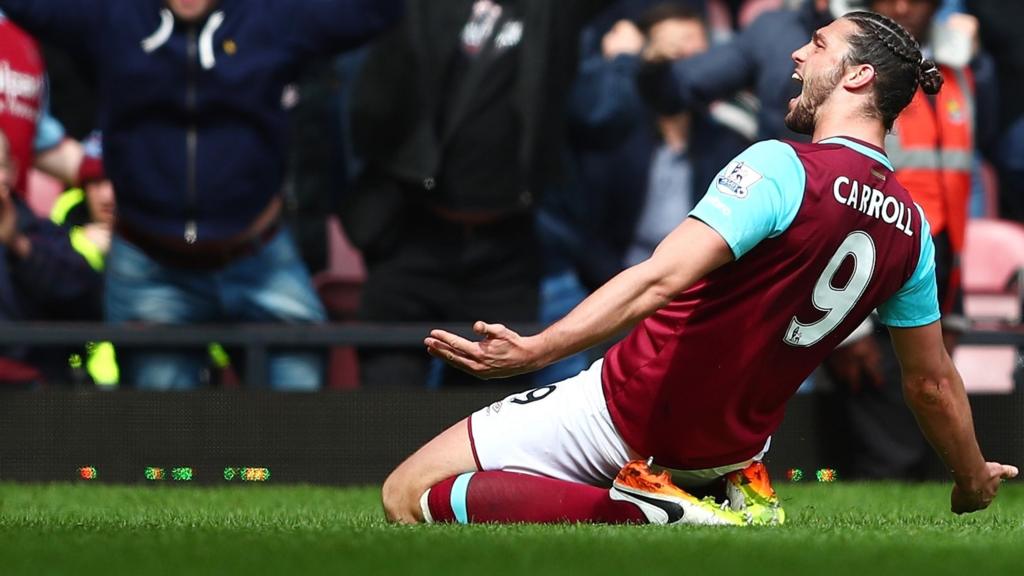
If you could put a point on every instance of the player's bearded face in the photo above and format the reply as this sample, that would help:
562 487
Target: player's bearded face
817 87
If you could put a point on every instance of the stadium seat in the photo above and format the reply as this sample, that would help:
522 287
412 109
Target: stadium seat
993 255
993 264
339 287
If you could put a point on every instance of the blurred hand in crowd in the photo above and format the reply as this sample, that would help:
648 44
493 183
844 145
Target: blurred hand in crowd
17 243
8 217
966 26
623 39
675 39
99 234
8 214
856 364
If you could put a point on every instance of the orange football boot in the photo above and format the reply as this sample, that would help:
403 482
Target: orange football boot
662 502
750 491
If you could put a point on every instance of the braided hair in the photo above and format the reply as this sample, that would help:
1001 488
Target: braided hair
896 58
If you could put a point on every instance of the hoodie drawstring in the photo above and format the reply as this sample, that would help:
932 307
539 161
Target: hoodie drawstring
162 34
207 58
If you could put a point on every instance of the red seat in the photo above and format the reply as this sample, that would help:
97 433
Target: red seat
993 261
993 254
340 295
339 288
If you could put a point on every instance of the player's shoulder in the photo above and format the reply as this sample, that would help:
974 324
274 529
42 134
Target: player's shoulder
840 155
769 154
805 148
766 161
839 147
774 159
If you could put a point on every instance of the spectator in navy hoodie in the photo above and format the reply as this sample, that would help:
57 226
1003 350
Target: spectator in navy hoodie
194 141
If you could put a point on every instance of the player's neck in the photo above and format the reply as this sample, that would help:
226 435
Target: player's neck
851 125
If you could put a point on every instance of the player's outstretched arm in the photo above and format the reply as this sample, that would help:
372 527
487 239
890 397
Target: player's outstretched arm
688 254
935 393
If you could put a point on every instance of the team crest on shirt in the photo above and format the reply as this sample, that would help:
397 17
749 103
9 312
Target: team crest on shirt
737 179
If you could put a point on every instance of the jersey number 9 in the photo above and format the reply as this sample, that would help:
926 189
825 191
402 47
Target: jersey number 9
836 303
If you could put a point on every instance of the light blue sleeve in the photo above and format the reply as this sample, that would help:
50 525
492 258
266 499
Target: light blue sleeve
917 303
49 130
756 196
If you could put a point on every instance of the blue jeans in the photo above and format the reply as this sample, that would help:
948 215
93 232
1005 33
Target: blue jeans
560 293
271 285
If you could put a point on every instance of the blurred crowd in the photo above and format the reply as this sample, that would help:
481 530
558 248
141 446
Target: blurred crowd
443 161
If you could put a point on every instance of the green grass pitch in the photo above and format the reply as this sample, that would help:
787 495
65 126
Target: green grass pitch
833 529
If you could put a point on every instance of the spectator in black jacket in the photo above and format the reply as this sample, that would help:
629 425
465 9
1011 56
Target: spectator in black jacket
758 58
41 278
459 117
642 178
1000 36
638 174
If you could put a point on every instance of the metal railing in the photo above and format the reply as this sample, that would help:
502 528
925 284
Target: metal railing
254 339
257 339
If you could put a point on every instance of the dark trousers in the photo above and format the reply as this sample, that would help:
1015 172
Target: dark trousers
886 442
443 271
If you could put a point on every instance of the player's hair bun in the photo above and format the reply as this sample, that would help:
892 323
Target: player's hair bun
929 77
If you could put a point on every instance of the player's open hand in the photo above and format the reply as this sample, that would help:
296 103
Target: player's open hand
500 354
981 494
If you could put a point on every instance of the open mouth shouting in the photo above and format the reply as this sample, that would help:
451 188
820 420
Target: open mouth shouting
798 84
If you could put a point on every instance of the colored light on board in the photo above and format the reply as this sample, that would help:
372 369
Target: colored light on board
153 473
181 474
247 474
827 475
87 473
255 474
795 474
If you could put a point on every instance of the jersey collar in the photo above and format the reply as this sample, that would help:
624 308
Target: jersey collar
864 149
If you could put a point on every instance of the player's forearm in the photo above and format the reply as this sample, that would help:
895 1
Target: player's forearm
626 299
944 414
687 254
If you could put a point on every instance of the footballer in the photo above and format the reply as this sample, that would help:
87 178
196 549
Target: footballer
792 247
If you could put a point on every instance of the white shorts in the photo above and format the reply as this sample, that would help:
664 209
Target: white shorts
563 431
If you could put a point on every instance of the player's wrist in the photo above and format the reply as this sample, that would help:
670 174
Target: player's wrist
972 479
538 350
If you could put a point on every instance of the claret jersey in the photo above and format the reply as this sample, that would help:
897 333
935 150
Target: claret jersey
24 115
822 235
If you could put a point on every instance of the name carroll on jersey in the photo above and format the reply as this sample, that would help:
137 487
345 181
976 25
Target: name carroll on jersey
873 202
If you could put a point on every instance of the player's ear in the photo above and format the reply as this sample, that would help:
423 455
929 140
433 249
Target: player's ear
858 76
